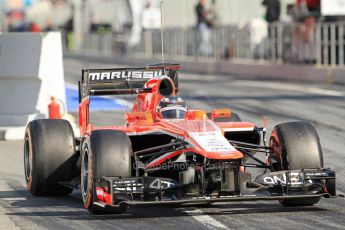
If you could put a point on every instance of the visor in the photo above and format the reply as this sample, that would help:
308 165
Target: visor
174 113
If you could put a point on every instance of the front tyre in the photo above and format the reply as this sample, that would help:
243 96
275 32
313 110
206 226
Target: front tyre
296 146
104 153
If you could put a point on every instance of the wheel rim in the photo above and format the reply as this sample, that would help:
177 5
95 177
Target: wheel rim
85 173
277 151
27 160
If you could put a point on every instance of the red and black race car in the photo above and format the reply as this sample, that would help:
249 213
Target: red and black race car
168 154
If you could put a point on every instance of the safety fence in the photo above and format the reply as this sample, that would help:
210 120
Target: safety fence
322 44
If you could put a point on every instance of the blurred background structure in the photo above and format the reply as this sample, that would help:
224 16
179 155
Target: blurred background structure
261 31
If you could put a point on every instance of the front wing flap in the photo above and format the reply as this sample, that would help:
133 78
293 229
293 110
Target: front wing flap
292 184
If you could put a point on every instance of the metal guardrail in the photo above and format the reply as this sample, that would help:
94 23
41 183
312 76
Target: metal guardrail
322 44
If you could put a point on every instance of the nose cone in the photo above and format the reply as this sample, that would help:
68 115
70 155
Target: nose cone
215 146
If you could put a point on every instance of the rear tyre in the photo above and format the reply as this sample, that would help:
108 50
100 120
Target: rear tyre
49 157
104 153
296 145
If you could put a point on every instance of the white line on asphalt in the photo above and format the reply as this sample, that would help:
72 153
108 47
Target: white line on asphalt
340 192
14 198
205 220
290 87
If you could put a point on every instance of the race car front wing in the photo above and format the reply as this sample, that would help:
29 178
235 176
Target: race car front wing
280 185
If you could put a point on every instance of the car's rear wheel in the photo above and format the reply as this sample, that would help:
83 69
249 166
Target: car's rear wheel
49 157
296 146
104 153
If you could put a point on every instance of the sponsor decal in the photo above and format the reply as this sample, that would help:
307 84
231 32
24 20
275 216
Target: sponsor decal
161 184
212 141
295 179
322 174
127 185
275 179
124 74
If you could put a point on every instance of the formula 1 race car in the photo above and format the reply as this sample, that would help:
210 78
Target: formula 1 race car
168 154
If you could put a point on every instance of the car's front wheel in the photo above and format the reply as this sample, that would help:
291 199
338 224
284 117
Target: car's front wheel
296 146
104 153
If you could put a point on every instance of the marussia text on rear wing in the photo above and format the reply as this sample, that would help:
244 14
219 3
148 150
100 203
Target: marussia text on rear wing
123 80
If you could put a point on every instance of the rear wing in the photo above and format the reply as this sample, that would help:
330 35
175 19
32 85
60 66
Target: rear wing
123 80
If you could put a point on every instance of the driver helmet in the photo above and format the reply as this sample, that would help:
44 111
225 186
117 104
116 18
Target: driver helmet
172 108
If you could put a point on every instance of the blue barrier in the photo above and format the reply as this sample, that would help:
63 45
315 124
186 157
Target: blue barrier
96 104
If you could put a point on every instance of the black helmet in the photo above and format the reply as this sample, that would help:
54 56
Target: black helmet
172 108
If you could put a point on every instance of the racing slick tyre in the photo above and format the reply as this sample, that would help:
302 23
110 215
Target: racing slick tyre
104 153
49 157
297 145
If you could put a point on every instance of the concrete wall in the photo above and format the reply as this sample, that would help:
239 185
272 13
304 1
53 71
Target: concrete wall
286 72
31 70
